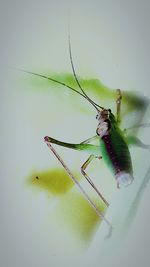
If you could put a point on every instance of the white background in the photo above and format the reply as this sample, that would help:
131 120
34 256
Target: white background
110 41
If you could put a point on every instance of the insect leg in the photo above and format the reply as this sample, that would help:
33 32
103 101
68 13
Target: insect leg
89 140
118 102
85 147
84 166
136 126
99 213
133 140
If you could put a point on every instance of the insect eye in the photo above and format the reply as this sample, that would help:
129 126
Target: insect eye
109 110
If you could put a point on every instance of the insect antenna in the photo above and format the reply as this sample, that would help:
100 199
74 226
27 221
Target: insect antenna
75 76
51 79
83 94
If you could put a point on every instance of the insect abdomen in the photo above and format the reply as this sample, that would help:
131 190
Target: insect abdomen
115 152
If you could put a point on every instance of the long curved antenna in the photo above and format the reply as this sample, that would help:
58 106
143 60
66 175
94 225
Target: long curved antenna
51 79
75 76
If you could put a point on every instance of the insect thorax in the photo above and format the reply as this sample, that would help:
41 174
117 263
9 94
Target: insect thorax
104 124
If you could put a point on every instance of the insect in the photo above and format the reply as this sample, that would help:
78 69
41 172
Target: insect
113 142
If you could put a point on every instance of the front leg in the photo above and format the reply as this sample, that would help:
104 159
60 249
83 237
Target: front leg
118 102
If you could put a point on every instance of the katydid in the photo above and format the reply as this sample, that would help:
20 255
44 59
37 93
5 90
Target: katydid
113 142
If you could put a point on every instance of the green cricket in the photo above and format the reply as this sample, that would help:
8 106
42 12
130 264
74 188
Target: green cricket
113 142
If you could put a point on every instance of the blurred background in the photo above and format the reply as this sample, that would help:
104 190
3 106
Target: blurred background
110 42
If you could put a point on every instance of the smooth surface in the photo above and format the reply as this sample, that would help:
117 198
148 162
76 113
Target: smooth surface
110 41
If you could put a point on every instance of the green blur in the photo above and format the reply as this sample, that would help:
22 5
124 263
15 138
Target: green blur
79 216
100 93
73 209
54 181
